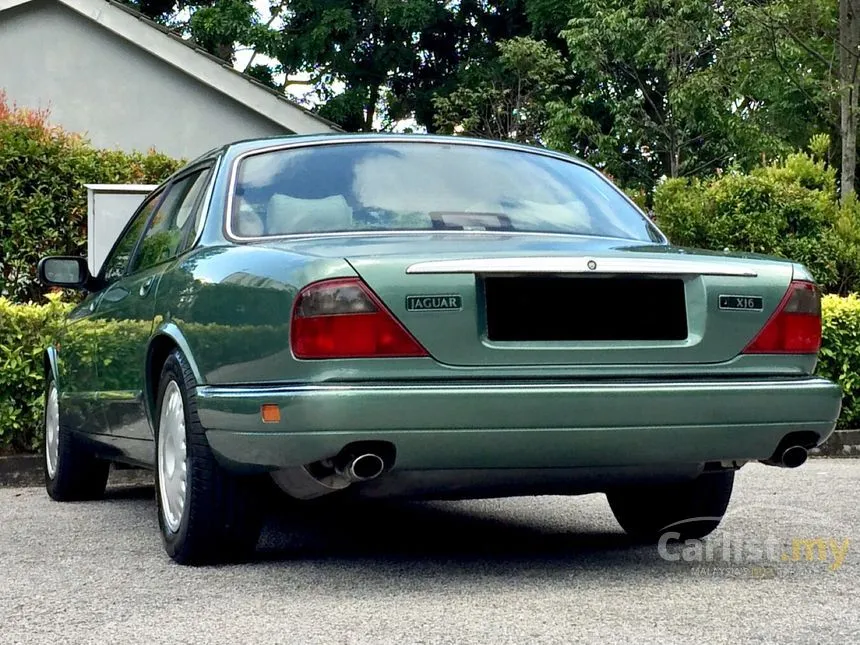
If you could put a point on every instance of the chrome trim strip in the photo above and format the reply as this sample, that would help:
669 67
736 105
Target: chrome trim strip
600 265
120 395
705 384
401 138
430 231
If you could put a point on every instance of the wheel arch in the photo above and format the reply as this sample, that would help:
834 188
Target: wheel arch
167 338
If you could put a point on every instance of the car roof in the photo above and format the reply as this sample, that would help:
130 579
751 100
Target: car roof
236 148
249 145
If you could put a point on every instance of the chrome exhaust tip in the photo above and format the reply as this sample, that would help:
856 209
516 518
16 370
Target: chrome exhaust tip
364 467
794 456
791 457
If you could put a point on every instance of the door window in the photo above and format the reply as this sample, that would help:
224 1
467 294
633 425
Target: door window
117 262
163 238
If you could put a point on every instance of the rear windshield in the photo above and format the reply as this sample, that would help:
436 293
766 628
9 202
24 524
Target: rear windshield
382 186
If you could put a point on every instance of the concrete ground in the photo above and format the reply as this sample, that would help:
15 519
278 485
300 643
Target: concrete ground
530 570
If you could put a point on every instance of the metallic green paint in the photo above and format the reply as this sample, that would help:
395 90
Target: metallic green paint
121 369
203 289
76 355
472 404
520 425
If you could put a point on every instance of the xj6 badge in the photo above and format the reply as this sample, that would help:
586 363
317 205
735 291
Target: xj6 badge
446 302
741 303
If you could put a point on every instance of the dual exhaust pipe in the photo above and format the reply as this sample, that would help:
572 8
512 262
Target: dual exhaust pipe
361 467
357 462
368 465
788 457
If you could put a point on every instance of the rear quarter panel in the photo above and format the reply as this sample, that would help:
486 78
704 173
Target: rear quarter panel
232 307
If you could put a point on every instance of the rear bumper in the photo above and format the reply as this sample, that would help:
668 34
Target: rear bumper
523 425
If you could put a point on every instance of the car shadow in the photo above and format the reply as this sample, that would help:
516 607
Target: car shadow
440 534
451 538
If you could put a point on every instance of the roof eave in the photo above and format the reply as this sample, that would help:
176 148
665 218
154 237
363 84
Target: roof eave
197 63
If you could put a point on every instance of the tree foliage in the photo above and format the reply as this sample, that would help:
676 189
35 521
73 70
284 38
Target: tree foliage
788 208
642 88
652 99
387 59
506 98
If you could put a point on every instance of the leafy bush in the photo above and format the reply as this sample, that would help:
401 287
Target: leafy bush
25 331
30 327
839 359
788 209
43 202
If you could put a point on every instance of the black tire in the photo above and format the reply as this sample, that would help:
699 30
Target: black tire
693 509
221 519
78 475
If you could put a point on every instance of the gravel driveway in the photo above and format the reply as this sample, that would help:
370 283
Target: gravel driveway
542 570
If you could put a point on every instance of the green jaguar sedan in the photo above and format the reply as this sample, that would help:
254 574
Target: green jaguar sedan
338 317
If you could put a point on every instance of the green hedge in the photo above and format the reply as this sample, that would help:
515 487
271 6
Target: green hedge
839 359
43 202
25 330
787 209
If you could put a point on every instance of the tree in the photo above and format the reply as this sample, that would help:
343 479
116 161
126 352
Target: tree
361 45
849 85
650 99
507 98
799 60
385 60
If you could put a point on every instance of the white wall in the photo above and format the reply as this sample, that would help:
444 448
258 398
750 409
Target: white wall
109 207
98 84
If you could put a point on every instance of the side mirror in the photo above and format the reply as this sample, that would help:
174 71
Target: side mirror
66 272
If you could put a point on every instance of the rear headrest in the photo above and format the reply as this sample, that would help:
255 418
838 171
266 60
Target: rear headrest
285 214
248 223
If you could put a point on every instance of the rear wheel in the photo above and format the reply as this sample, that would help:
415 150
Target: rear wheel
72 471
206 514
693 509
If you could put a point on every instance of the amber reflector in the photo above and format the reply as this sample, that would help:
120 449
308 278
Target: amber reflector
271 413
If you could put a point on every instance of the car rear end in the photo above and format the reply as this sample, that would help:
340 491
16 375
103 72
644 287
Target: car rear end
463 361
506 370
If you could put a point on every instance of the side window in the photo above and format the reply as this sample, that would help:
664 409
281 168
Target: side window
116 263
188 216
163 238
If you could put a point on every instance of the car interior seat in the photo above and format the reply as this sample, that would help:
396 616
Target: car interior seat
286 214
247 222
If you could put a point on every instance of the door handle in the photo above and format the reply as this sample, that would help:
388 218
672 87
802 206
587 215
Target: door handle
145 287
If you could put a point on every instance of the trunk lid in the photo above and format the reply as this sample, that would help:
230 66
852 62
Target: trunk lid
517 300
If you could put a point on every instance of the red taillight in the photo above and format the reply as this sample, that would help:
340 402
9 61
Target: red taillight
342 318
795 326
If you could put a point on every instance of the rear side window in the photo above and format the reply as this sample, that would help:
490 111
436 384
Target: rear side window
175 215
427 185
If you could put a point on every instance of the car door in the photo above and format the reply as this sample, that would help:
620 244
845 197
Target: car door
77 359
127 307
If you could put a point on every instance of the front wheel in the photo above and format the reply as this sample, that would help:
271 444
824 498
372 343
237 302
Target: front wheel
72 472
205 514
693 509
